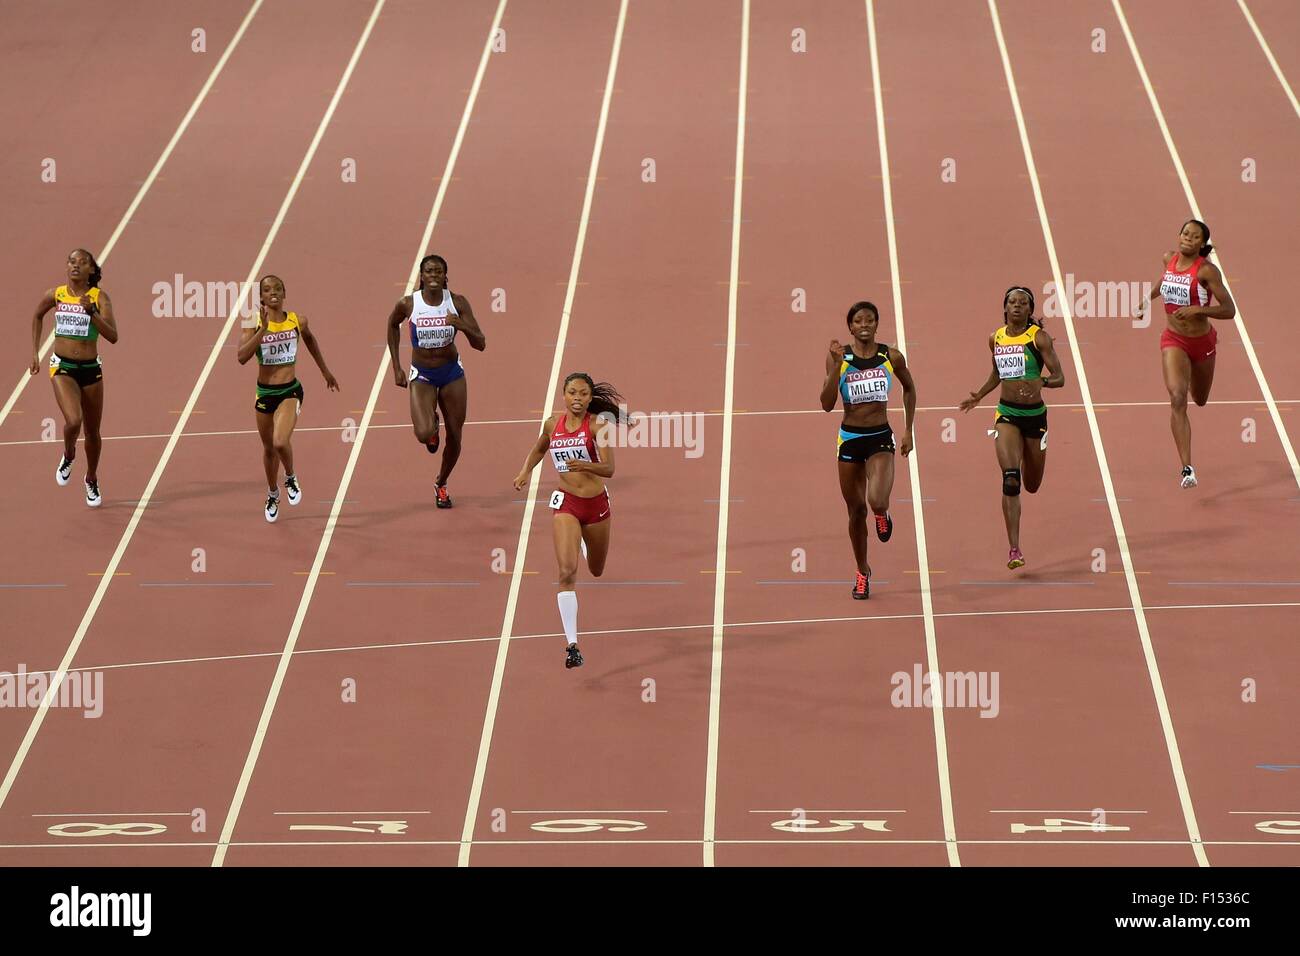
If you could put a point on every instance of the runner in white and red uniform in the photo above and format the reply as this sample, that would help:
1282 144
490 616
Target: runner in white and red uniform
579 447
1189 285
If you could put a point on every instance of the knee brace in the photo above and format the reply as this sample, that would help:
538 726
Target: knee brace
1011 482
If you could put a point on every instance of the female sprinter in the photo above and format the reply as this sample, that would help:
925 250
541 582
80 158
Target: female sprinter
583 455
862 374
82 313
274 340
436 379
1187 343
1025 363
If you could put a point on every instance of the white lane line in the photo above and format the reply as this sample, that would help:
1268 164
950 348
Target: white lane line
1049 812
544 812
548 635
914 469
144 188
736 413
1085 391
1240 320
348 813
786 813
526 523
1272 61
39 717
124 813
724 471
309 587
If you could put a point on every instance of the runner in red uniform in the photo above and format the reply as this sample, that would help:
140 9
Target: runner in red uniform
1189 284
580 448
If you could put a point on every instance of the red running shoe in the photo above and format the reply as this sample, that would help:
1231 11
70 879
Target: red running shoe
440 496
861 587
884 526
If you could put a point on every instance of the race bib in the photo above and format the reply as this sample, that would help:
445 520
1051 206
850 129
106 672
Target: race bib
280 348
71 324
867 385
565 450
433 332
557 500
1176 289
1010 360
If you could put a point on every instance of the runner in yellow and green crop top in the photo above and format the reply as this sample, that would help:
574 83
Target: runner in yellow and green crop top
1025 363
82 313
860 375
274 340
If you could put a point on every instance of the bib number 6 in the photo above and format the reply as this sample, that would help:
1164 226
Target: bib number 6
557 500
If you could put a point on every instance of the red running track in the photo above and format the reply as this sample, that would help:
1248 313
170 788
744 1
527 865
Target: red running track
447 631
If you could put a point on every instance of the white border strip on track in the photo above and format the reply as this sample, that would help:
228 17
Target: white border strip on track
1240 321
526 524
309 587
107 578
548 635
724 471
1085 391
1268 52
914 468
897 410
144 187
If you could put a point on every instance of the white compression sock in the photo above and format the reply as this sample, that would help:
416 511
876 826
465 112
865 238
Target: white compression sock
568 602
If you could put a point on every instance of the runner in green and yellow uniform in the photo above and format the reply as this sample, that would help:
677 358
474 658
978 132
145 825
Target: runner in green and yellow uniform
1024 363
82 313
274 340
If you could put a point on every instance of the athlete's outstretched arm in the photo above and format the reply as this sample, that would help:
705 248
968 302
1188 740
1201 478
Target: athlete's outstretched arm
313 346
535 454
467 323
904 376
831 387
1048 348
1213 278
401 312
102 315
38 323
990 383
605 467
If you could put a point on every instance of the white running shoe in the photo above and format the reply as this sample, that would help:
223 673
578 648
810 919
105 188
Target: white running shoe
64 472
292 490
1189 477
272 506
93 499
